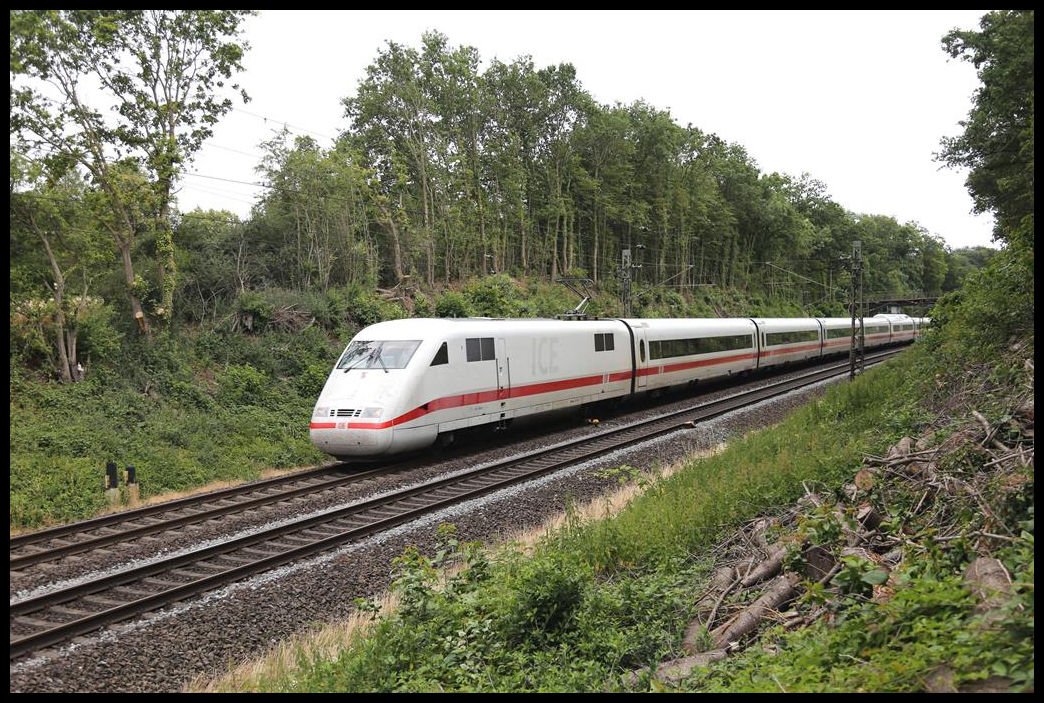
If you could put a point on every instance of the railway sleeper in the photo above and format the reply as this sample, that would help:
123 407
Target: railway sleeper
339 527
471 483
162 583
236 561
382 513
283 546
102 601
413 503
318 532
259 553
35 623
441 494
130 593
66 610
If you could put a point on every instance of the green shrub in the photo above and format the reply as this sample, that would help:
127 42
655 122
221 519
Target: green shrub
99 340
243 385
493 296
452 304
254 310
546 593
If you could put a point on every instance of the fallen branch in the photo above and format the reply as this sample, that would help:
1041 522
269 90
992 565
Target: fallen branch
770 567
722 581
779 592
717 603
990 431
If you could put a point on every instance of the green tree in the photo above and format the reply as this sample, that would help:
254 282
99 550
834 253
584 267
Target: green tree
161 74
997 143
317 206
55 242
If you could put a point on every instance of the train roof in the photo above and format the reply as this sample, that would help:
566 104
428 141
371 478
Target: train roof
412 328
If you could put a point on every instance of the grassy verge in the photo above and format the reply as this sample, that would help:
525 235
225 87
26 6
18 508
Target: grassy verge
185 412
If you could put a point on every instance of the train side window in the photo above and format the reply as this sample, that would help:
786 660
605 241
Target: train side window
441 356
604 341
641 350
480 349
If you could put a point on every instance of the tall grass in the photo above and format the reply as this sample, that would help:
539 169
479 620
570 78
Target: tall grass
817 445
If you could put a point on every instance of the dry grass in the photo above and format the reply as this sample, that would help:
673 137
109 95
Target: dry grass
327 642
332 638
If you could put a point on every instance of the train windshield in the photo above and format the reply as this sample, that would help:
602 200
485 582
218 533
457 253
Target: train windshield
382 354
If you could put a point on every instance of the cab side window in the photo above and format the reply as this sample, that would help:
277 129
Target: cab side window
441 356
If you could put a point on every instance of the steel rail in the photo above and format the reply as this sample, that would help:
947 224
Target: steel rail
136 513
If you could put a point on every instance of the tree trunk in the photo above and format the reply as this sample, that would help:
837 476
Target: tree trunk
168 270
63 338
393 231
128 277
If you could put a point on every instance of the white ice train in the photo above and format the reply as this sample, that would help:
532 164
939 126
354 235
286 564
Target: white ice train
401 384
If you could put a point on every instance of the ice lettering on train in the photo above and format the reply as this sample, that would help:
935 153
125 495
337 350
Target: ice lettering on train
545 356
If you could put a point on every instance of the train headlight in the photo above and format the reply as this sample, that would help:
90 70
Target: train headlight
320 411
372 412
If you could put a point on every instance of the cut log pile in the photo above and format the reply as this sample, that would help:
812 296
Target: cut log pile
868 529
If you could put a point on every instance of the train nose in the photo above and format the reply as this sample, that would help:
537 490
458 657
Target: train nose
350 431
368 413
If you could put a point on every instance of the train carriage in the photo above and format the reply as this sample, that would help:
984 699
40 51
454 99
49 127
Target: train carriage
676 351
903 327
784 340
837 334
466 372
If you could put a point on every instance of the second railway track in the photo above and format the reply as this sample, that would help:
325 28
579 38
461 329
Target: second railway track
60 615
57 543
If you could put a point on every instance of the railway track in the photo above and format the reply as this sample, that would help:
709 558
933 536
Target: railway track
58 616
59 542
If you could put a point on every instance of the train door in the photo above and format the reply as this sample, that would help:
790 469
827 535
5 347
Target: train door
503 370
642 361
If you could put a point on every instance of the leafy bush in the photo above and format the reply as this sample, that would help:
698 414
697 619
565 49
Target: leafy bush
100 341
243 385
451 304
254 310
422 305
546 593
493 296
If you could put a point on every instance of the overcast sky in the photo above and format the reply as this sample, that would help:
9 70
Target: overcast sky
859 100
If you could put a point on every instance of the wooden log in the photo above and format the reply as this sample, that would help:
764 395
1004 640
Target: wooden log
722 581
769 567
783 589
